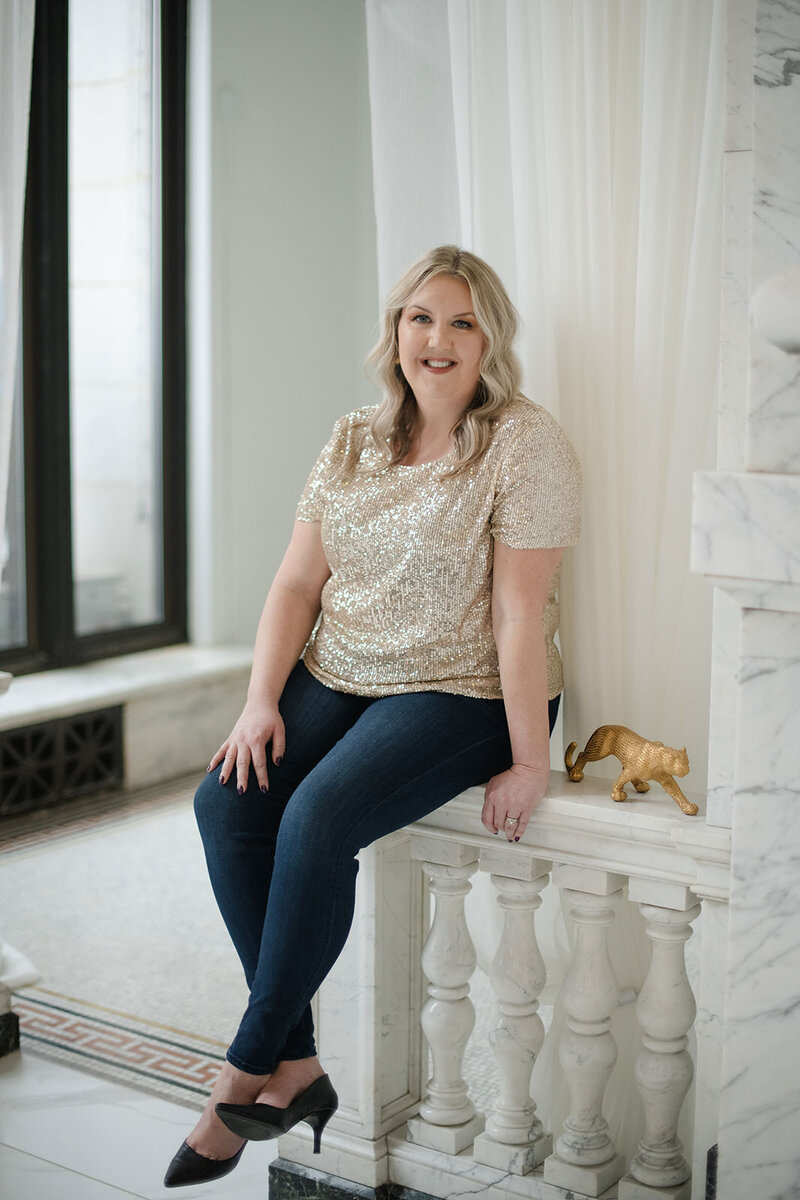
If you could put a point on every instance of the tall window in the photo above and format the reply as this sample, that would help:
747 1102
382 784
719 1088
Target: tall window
93 554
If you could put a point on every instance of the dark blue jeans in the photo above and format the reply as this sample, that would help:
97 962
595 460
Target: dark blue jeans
283 865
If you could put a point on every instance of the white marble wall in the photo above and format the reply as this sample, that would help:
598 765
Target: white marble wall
747 524
737 234
760 1099
746 537
734 367
759 411
773 426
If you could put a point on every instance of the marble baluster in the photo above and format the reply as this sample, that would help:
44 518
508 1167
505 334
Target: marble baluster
585 1158
514 1139
448 1120
666 1010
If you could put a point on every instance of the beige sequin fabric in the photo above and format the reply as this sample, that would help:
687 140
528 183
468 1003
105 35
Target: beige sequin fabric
408 605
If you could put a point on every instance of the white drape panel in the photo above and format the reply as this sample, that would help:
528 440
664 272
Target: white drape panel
587 137
16 52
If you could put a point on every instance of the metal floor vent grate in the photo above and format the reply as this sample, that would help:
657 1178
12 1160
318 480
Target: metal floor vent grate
44 764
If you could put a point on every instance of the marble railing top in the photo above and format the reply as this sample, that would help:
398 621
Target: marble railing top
5 681
646 837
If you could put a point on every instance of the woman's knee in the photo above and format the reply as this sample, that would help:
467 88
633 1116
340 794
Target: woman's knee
211 802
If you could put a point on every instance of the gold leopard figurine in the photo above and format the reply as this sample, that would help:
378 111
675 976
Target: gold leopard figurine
641 760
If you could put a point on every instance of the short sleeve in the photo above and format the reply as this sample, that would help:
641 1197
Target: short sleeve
312 501
538 490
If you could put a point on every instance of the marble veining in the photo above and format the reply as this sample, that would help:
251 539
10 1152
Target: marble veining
760 1098
778 33
746 525
740 48
773 427
735 315
722 715
759 593
759 1148
709 1030
769 688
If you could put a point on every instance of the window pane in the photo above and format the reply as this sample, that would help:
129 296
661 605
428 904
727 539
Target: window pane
114 291
13 620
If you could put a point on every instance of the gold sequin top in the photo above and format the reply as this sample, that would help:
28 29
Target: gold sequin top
407 607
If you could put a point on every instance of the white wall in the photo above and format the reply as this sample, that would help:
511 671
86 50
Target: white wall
282 280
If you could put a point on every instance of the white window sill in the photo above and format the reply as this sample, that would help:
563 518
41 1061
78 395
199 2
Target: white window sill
50 694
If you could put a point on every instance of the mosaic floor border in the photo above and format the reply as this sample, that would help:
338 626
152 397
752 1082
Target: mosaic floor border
166 1063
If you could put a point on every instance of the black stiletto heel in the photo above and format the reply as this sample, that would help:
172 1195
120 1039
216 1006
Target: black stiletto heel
260 1122
190 1167
318 1121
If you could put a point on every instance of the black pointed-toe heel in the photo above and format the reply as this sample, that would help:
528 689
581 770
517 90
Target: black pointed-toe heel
190 1167
259 1122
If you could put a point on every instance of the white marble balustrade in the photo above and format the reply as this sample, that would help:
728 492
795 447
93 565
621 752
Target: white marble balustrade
420 1129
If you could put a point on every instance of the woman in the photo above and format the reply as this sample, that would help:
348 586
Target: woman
428 537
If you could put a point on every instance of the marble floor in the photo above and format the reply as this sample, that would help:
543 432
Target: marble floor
67 1135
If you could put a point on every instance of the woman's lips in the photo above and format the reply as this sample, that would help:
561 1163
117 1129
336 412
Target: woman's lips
439 366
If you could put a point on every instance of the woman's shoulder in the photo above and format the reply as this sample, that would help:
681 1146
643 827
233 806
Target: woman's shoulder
359 418
522 415
351 428
524 422
349 432
528 434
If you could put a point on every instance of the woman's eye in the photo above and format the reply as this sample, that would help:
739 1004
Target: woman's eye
421 318
461 324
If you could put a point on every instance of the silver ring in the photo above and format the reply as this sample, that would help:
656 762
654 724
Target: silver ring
512 820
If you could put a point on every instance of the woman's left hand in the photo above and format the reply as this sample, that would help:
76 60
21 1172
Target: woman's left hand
511 797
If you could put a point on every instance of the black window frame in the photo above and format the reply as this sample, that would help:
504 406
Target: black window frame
52 640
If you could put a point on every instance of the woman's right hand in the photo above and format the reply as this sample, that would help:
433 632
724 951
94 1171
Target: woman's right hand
259 724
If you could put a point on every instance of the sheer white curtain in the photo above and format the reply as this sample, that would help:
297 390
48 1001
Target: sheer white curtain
16 52
587 137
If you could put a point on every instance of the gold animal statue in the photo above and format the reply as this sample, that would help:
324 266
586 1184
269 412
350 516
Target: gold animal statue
641 760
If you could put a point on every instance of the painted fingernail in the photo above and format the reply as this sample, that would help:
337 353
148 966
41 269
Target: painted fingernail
279 760
209 768
516 839
263 788
240 790
222 778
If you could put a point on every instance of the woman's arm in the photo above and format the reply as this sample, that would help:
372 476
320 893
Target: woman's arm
520 586
290 613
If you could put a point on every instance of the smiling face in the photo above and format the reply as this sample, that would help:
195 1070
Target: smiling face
440 343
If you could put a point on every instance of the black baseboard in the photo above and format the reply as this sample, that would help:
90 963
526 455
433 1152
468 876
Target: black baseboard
712 1159
291 1181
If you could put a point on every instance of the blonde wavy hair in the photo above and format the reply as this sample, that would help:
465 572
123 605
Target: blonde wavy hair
393 424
